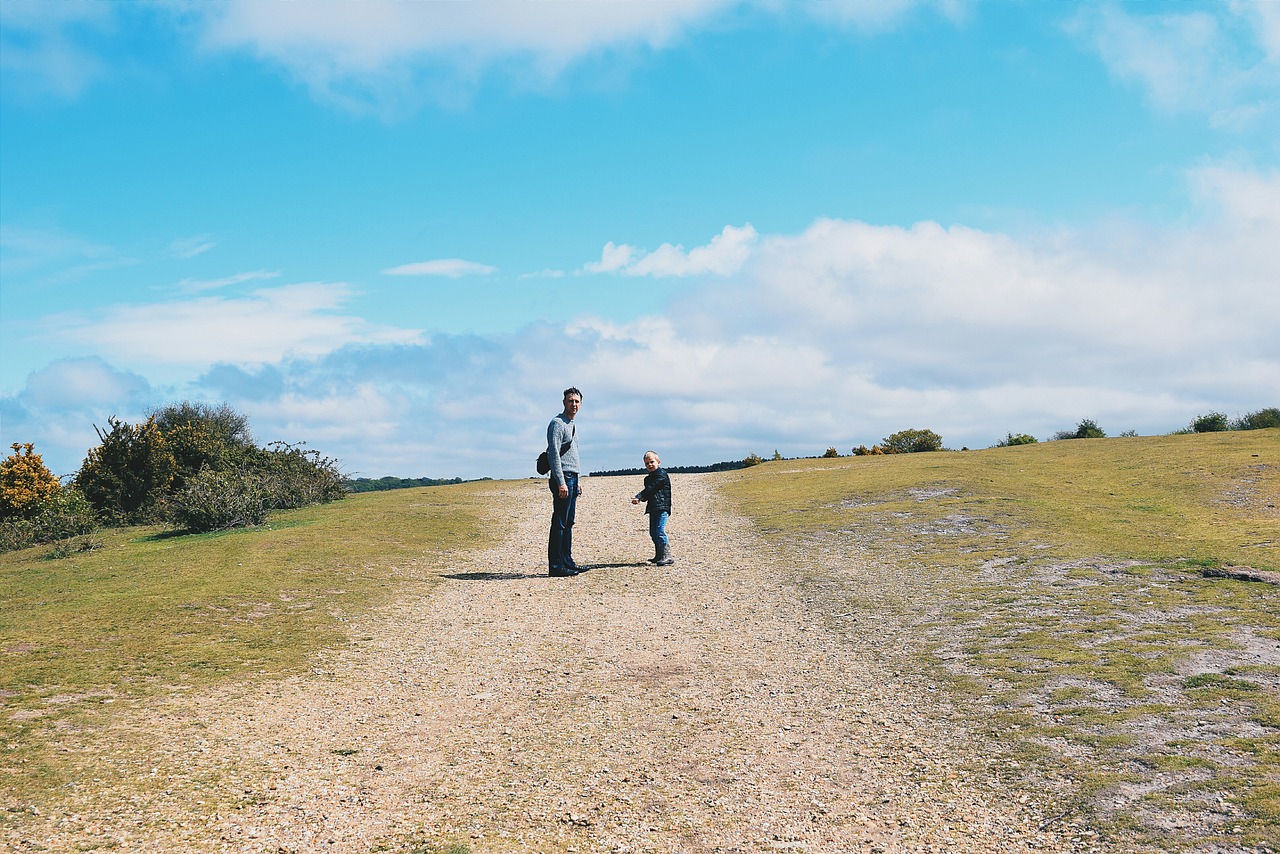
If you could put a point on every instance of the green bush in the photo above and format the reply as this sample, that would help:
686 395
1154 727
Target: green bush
912 442
216 500
66 515
1214 422
1086 429
1260 420
1012 439
200 436
830 454
222 424
752 460
127 477
296 477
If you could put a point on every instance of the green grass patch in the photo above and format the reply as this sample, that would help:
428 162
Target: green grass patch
152 612
1058 589
1211 492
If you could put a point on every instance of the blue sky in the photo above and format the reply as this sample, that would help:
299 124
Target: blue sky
396 231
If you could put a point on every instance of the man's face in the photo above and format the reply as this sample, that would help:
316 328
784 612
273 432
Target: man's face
572 403
651 462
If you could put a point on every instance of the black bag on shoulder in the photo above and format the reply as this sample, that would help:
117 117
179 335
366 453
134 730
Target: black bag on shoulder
544 464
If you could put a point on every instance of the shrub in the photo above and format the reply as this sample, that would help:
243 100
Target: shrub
911 442
1260 420
1214 422
1086 429
222 424
66 515
127 477
25 483
1012 439
199 436
753 460
216 500
296 477
831 453
194 449
864 451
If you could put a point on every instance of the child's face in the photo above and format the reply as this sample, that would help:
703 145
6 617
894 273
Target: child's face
651 462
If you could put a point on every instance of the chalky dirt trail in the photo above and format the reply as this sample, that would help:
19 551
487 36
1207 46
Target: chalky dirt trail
702 707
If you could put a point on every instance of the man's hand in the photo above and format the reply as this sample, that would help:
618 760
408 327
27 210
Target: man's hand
564 490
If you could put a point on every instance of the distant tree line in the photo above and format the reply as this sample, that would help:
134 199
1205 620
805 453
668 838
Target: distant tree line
193 466
382 484
725 466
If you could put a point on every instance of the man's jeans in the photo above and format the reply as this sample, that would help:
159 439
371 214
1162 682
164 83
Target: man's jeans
658 528
560 540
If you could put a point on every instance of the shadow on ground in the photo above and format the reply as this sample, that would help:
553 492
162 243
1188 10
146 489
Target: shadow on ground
524 576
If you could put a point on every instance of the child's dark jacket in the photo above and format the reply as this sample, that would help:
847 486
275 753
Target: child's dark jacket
656 492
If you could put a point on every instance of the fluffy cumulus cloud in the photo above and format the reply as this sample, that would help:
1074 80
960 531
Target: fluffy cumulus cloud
61 403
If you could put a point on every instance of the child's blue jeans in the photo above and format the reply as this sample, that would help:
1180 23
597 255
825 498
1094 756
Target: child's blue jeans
658 528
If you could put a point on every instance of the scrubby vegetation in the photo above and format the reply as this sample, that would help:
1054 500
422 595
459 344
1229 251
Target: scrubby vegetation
36 508
1218 422
1086 429
191 465
1014 439
903 442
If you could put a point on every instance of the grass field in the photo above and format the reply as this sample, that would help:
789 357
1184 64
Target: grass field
151 612
1059 590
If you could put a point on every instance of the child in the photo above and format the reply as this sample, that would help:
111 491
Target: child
657 495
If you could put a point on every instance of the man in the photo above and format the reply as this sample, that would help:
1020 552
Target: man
562 454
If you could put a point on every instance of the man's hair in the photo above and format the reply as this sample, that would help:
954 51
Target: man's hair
571 390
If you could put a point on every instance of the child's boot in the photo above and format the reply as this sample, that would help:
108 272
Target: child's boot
657 553
664 556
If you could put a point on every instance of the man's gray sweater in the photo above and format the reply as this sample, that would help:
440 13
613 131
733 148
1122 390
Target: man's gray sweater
560 431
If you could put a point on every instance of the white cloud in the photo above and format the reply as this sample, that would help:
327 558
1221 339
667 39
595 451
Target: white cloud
387 55
612 259
294 320
80 383
547 273
1242 197
723 256
453 268
1222 60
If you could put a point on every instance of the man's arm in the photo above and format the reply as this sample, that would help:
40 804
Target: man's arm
554 439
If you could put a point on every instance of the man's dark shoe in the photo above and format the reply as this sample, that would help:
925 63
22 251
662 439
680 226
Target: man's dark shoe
561 572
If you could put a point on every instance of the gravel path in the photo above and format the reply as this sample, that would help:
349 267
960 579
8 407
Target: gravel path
701 707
